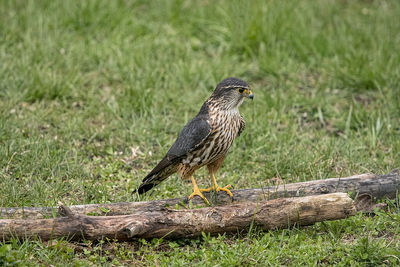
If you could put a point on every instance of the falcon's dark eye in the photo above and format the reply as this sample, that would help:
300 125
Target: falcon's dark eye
241 90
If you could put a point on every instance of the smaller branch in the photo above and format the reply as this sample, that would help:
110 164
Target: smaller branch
64 211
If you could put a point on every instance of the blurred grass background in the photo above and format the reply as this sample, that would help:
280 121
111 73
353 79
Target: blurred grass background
93 93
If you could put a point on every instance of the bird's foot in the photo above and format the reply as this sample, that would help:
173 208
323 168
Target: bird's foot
225 188
197 192
217 189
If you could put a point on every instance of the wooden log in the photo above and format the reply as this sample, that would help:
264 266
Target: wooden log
172 223
376 186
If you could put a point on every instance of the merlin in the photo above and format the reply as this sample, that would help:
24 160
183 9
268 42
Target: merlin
205 140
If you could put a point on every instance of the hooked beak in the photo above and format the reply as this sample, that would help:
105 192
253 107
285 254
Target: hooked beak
250 94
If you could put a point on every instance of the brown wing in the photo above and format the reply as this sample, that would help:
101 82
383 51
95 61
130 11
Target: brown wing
192 135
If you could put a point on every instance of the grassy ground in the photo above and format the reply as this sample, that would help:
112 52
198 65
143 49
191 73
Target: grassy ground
93 93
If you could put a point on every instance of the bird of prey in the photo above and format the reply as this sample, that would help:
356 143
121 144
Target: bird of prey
205 140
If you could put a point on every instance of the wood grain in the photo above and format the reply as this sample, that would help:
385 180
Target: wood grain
173 223
376 186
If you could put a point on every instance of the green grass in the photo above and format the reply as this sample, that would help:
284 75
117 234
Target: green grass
93 93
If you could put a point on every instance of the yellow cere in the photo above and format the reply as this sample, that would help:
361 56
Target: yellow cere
244 91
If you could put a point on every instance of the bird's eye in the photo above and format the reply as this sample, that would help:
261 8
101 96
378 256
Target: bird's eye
241 90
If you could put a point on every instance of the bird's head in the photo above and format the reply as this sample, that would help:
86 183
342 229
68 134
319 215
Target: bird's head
231 92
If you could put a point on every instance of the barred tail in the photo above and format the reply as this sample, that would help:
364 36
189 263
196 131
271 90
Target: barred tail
146 186
162 171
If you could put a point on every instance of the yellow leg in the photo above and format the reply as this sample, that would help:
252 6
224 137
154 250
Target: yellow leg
217 188
197 191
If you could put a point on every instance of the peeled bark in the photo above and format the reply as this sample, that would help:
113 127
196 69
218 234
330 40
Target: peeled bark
375 186
173 223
